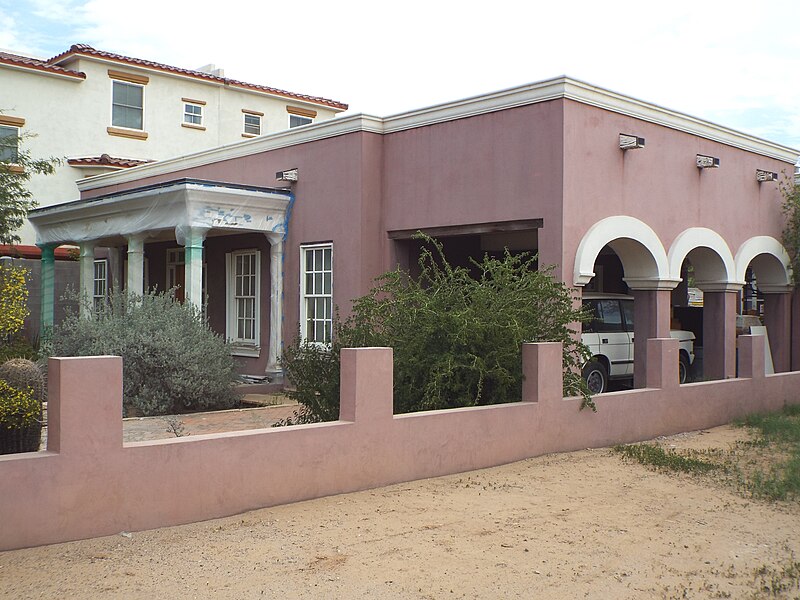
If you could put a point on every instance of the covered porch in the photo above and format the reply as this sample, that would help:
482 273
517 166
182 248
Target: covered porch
218 245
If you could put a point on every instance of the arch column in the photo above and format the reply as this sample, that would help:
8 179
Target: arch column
719 330
651 308
273 369
778 320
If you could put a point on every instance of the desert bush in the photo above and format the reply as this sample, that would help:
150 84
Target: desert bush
172 361
21 394
13 300
456 335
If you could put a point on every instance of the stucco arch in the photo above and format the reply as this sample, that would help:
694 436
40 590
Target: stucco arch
712 259
769 261
638 247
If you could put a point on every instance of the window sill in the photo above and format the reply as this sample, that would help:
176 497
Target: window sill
193 126
134 134
245 351
12 168
249 135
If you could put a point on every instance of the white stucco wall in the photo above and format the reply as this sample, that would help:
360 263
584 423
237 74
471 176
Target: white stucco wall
70 116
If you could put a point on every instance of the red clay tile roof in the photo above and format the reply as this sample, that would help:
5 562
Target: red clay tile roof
104 160
32 63
85 50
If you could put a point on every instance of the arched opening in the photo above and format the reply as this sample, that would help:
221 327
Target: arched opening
623 271
704 303
763 264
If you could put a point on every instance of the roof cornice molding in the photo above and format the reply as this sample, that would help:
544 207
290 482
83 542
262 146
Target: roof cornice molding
534 93
75 76
281 139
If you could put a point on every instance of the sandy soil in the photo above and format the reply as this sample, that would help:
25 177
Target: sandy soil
578 525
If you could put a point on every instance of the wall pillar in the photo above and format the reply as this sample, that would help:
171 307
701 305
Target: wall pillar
86 279
48 281
275 306
135 282
192 238
777 319
651 315
719 333
796 330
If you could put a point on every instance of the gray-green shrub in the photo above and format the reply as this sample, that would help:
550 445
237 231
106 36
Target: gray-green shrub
172 361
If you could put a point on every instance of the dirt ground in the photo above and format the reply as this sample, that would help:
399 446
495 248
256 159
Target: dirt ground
578 525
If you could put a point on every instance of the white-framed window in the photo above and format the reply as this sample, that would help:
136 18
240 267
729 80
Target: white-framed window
100 284
298 120
127 105
9 144
193 113
243 268
252 124
316 292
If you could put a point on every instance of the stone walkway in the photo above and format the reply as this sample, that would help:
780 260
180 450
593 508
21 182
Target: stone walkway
141 429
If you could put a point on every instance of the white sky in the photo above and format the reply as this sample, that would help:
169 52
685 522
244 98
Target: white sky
736 63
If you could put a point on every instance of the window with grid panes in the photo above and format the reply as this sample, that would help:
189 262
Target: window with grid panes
243 282
100 284
127 105
317 292
192 113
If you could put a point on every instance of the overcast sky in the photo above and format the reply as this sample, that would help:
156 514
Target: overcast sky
736 63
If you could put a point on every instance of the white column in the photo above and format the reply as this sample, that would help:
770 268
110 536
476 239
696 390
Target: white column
191 238
135 282
86 278
275 305
115 267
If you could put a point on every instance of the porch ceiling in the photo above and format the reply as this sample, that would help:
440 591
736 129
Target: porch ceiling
163 210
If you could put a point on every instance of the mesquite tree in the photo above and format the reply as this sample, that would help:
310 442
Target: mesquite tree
456 333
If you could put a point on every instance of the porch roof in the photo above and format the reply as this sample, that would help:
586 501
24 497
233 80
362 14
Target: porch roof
176 205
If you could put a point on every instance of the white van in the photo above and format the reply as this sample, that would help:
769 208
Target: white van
609 336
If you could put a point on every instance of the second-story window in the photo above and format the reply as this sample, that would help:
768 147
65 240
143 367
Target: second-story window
127 105
9 144
193 113
298 120
252 124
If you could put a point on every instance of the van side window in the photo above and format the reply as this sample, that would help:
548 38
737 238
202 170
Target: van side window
627 309
609 317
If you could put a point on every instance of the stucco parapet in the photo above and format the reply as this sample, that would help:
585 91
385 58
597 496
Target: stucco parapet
534 93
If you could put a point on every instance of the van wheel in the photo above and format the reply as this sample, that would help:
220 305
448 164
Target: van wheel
683 368
596 377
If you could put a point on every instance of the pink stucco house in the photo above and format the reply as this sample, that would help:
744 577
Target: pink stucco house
622 195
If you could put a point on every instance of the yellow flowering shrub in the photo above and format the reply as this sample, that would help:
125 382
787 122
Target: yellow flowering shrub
18 408
13 299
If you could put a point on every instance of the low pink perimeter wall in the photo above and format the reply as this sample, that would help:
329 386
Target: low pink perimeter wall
89 484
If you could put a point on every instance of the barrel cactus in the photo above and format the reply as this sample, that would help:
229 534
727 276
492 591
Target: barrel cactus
21 399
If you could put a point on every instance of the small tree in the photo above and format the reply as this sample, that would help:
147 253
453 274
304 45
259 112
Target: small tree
16 169
456 335
790 190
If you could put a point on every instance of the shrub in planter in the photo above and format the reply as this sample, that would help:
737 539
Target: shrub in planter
172 362
21 388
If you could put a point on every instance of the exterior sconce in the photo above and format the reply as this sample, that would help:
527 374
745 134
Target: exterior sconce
630 142
762 175
288 175
707 162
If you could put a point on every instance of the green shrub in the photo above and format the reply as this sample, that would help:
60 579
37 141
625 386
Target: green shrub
456 335
172 361
17 346
13 299
18 408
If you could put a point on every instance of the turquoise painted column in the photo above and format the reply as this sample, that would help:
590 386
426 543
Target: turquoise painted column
48 284
191 238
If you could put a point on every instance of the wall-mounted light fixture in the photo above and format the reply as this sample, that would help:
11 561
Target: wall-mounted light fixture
287 175
630 142
762 175
707 162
